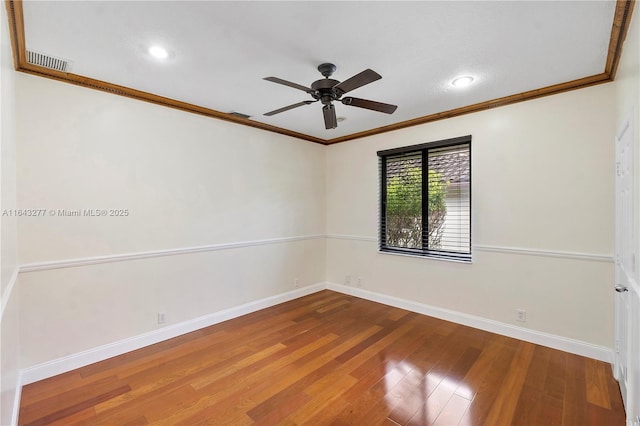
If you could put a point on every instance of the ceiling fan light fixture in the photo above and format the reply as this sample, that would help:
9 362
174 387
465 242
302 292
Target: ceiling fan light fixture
463 81
158 52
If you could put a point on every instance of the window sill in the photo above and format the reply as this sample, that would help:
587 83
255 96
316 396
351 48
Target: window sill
418 256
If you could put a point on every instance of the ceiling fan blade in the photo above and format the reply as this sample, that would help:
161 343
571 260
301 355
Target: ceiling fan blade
287 108
373 105
365 77
290 84
330 120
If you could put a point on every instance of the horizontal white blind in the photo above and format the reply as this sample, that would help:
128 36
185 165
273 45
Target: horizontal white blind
449 176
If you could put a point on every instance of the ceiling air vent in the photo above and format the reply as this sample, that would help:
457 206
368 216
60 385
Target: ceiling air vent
239 114
47 61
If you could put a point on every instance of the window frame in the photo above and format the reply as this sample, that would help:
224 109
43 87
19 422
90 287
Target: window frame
423 149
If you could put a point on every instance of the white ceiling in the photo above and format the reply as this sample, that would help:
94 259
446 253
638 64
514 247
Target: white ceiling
220 51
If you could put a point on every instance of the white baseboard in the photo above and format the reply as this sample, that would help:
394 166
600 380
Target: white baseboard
81 359
540 338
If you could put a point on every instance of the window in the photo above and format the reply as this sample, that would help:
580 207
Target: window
425 199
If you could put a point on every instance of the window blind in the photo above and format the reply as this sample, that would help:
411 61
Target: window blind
425 199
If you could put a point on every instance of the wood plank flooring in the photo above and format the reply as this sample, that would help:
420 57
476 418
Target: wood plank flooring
329 358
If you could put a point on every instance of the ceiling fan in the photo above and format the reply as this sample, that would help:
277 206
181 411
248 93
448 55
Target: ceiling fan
327 90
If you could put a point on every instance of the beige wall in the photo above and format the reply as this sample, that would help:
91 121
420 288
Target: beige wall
188 182
9 331
542 180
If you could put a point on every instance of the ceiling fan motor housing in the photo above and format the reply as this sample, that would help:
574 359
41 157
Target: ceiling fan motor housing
324 90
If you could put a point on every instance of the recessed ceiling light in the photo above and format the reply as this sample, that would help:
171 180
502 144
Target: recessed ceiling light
158 52
462 81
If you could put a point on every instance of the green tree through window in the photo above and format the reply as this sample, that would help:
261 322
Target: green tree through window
404 208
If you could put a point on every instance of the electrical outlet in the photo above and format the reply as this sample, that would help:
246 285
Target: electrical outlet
347 279
360 281
521 315
296 282
162 317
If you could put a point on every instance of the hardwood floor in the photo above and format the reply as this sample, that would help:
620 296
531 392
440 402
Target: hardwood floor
329 358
